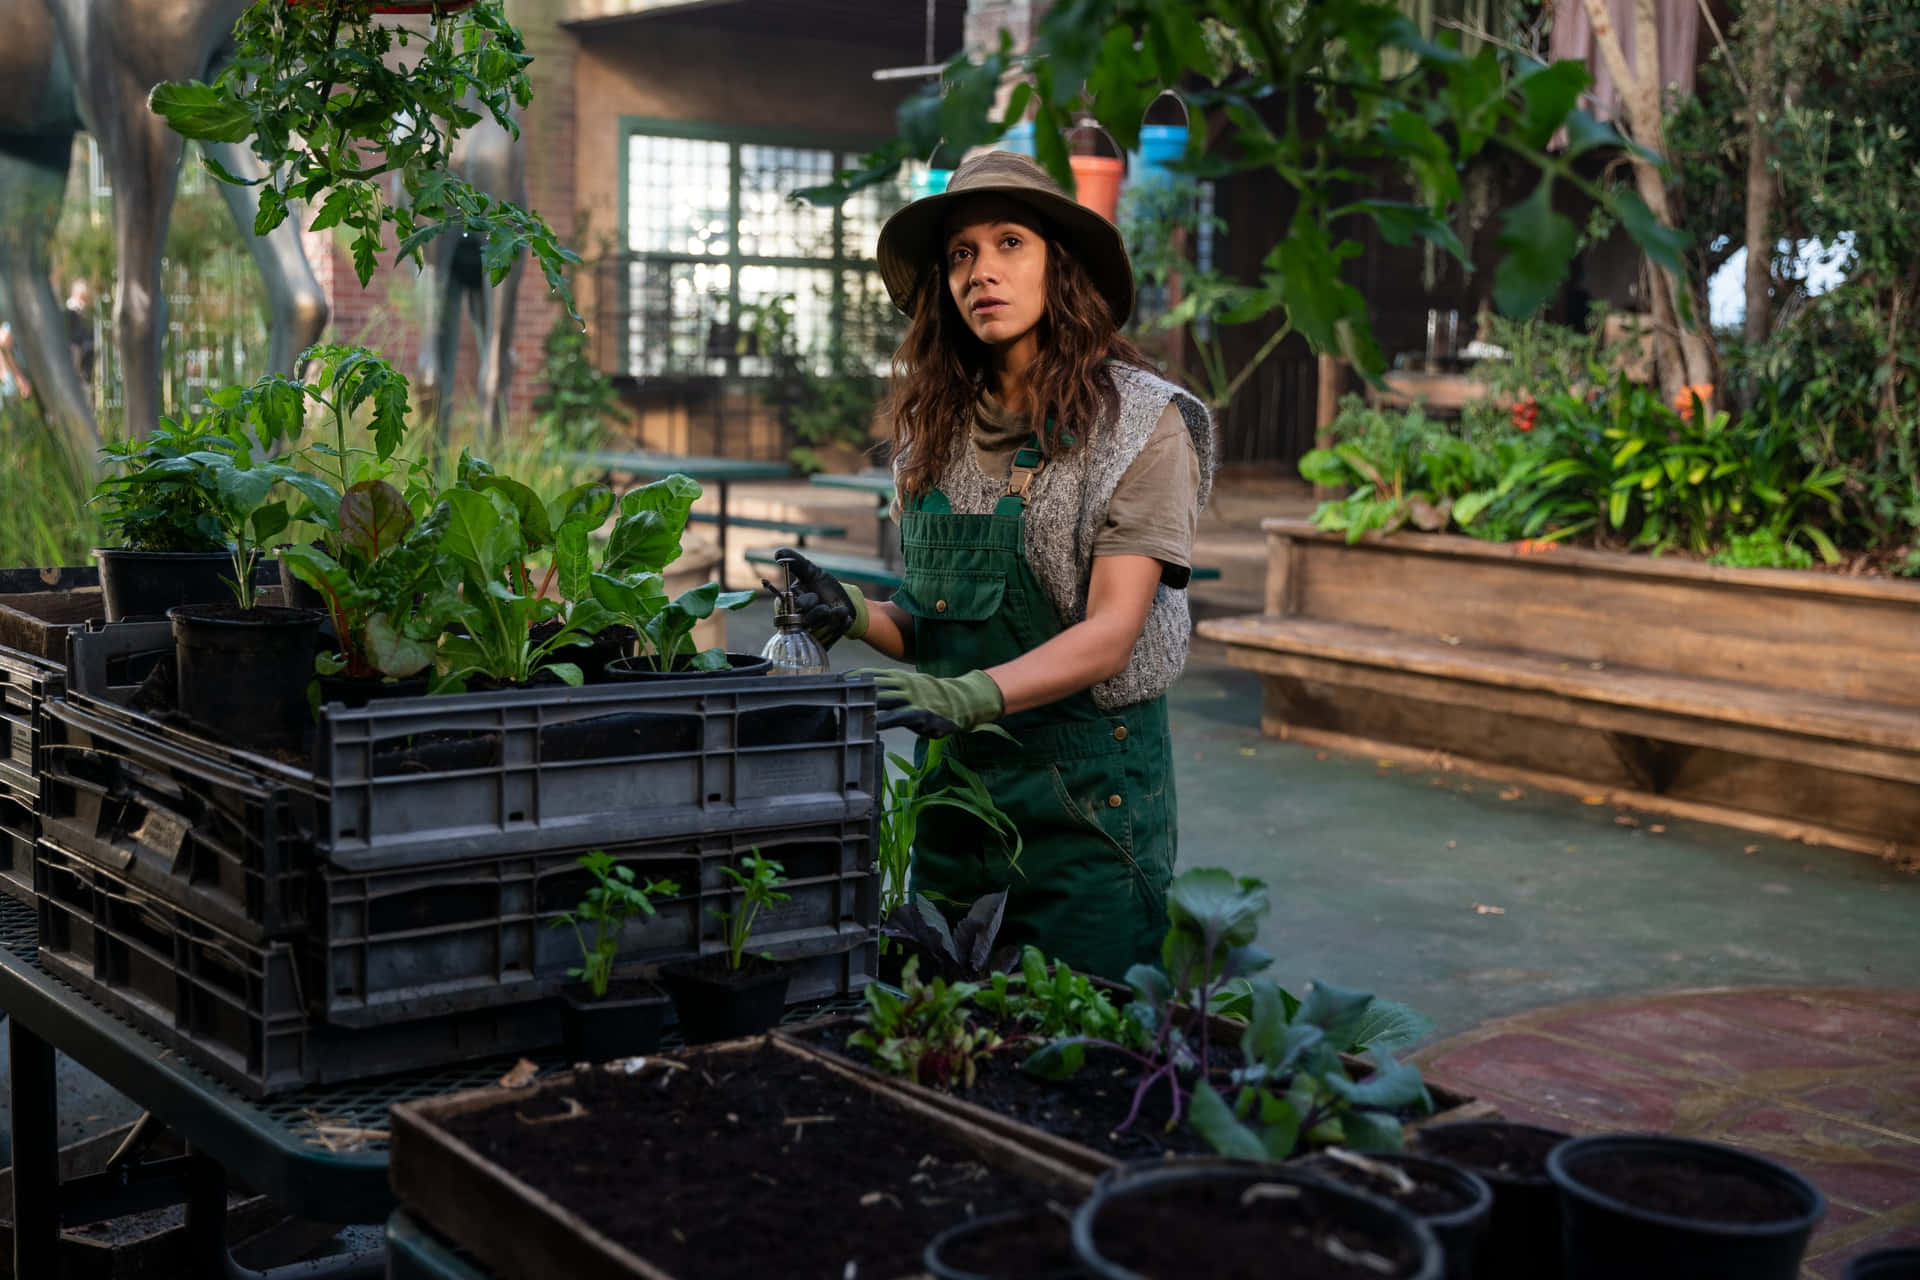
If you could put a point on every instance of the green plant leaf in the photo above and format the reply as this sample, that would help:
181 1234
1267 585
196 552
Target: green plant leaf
393 653
373 518
1214 1121
196 110
1371 1131
573 562
1336 1011
1538 244
1391 1026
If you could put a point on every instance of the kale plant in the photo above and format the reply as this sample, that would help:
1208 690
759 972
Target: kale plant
1296 1085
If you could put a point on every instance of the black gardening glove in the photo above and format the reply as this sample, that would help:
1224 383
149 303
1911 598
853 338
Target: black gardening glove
829 608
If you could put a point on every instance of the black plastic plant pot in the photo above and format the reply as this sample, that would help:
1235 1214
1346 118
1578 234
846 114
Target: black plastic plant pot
627 1021
145 584
608 645
717 1003
296 593
1522 1237
358 691
1456 1203
1180 1222
243 674
1660 1208
1885 1264
1027 1244
648 668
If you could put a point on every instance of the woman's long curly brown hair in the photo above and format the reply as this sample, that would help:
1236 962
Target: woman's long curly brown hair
941 369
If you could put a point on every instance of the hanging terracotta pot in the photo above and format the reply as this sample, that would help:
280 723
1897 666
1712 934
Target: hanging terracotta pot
1096 179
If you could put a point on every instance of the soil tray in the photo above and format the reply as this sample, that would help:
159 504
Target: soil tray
1065 1121
747 1159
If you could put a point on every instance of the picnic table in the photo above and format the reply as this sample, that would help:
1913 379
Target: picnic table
719 472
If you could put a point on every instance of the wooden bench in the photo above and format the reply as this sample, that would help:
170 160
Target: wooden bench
867 571
1780 701
800 529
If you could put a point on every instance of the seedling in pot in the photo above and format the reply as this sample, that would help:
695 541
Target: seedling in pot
160 509
616 897
926 1033
759 884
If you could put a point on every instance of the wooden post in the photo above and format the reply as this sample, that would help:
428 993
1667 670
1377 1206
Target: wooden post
1326 407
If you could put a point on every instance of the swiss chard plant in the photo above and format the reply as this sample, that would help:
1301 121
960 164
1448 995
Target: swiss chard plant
1295 1085
759 881
617 896
927 1033
1052 1002
500 604
388 585
630 581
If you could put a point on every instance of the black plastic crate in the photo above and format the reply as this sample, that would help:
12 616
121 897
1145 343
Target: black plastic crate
17 834
216 838
25 682
239 1010
405 782
487 931
39 606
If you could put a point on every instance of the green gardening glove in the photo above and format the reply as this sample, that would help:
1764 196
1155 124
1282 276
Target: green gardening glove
938 706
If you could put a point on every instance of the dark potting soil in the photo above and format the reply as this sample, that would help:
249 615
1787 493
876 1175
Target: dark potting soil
1035 1244
1508 1152
751 1164
1683 1187
1428 1198
1085 1109
1204 1229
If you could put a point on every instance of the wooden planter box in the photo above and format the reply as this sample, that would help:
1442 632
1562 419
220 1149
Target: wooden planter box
524 1235
1781 701
1448 1105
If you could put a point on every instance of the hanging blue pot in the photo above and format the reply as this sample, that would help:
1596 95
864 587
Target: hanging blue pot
1160 146
930 182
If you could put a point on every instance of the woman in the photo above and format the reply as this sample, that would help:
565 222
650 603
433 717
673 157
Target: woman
1048 485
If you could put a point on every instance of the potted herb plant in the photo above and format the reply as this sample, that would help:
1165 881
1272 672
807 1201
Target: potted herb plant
608 1018
242 666
730 993
1671 1208
173 549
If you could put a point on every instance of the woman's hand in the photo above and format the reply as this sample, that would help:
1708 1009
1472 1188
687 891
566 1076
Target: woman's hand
936 706
828 607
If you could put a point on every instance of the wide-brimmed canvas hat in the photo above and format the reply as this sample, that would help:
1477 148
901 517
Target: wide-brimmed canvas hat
910 242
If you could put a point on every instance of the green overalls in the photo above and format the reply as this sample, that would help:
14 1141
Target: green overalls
1090 791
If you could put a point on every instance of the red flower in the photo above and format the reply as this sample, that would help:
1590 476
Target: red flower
1526 414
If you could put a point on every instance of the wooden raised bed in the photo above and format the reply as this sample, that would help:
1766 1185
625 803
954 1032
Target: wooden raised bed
1448 1105
1780 701
524 1234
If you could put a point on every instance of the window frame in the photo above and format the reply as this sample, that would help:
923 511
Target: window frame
847 147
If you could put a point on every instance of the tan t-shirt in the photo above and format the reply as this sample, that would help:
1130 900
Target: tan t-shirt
1156 506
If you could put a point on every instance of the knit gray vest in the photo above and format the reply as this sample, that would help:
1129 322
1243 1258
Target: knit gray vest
1067 508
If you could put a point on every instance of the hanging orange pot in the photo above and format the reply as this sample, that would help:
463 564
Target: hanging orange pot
1096 179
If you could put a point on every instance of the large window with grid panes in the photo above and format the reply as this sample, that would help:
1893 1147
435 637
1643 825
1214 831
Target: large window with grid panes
713 243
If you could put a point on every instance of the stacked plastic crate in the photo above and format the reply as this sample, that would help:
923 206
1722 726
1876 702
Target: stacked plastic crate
395 901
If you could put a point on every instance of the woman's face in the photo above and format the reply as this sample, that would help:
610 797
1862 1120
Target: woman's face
997 270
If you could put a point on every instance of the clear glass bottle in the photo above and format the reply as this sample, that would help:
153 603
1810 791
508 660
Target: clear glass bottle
792 651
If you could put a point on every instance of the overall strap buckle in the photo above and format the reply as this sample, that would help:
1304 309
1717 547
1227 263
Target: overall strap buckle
1027 466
